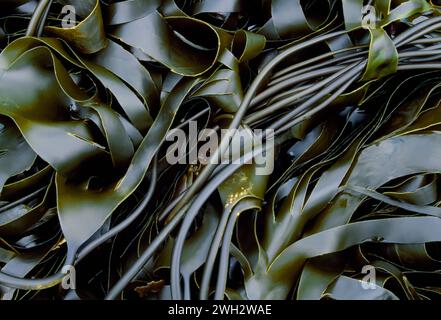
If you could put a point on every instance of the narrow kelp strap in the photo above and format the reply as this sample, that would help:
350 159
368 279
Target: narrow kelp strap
35 27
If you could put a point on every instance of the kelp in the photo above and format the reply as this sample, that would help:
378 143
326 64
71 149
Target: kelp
348 92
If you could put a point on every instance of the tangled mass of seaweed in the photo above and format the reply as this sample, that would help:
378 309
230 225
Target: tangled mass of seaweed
340 98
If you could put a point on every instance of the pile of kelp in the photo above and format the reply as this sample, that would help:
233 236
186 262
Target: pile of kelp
92 90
